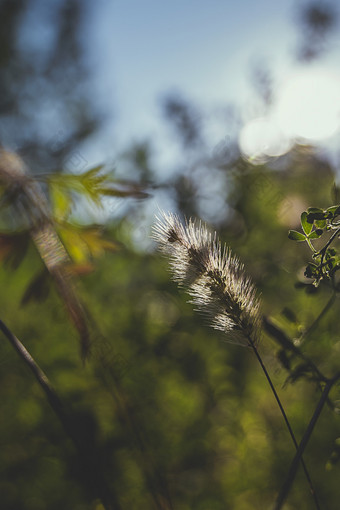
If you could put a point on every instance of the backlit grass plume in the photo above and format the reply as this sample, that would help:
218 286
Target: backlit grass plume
213 277
216 281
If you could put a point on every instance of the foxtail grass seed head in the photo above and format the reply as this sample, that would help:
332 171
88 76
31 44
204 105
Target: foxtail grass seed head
213 277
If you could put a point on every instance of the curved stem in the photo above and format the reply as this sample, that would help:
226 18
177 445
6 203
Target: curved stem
298 456
330 240
277 398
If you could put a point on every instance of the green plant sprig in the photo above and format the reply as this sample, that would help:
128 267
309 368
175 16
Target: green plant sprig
315 223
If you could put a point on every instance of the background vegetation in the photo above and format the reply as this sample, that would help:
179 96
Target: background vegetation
202 428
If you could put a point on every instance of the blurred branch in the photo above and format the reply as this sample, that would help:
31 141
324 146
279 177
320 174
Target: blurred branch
304 441
88 461
33 207
283 412
328 306
287 344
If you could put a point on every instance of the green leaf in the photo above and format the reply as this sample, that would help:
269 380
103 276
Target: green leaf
315 234
330 252
84 243
331 263
315 213
307 227
296 236
333 211
315 210
310 271
320 223
93 184
61 201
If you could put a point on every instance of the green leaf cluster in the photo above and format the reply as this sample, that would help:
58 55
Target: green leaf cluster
317 223
55 197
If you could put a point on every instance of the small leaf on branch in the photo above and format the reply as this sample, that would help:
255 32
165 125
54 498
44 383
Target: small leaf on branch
320 223
315 234
315 213
333 211
310 271
306 226
296 236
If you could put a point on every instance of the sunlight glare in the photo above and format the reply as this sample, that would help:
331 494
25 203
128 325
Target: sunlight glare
261 138
308 105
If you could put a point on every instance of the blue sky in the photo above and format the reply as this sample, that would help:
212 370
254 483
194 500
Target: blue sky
205 50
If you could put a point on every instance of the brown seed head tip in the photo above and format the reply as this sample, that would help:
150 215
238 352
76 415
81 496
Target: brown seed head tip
213 277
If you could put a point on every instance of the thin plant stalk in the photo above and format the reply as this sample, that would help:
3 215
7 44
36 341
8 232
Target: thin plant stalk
283 412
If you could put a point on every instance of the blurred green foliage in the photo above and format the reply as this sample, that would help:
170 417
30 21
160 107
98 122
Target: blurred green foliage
165 407
211 433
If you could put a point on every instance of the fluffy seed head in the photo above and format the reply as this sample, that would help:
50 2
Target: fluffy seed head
212 276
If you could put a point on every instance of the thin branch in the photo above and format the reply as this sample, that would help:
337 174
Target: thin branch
292 435
287 343
323 250
91 468
304 441
316 321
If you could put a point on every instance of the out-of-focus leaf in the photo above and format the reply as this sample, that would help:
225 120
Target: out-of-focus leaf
13 248
80 269
296 236
97 244
131 192
302 370
86 183
38 288
94 184
289 315
84 244
283 358
74 245
61 201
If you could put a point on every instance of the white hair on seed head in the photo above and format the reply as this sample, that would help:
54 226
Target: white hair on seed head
213 277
